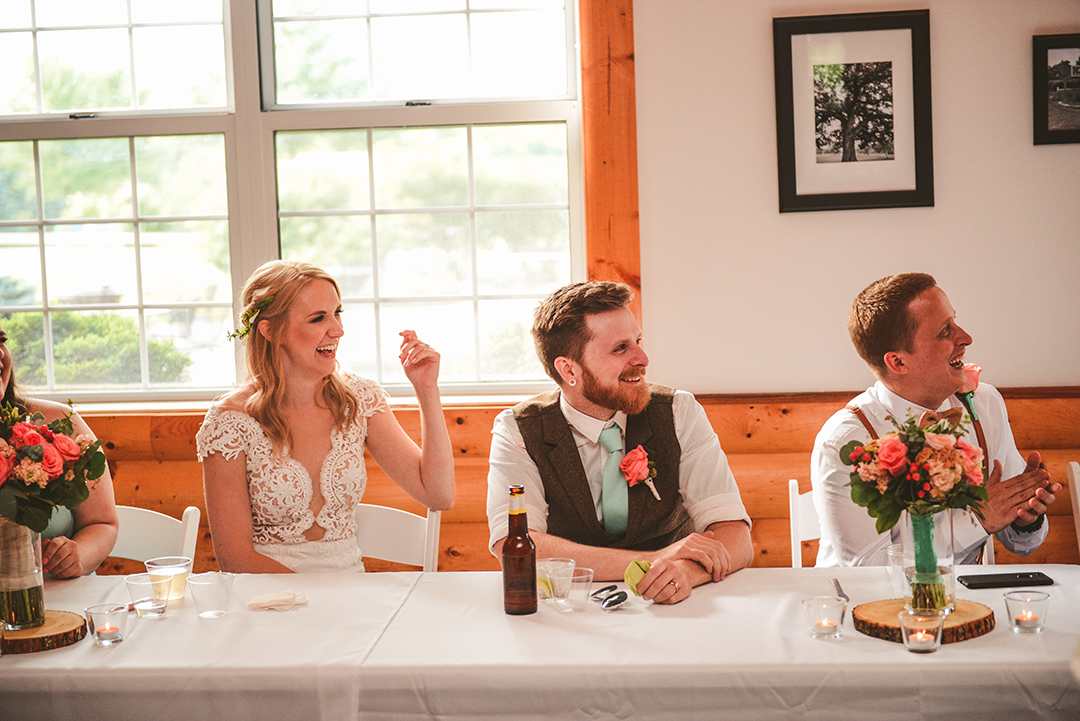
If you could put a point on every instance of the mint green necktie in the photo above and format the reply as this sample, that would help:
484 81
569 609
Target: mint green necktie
613 497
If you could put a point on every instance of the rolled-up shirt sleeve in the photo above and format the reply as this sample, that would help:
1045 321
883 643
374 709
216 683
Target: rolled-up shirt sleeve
510 463
708 487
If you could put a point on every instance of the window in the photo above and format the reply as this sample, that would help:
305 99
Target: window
425 152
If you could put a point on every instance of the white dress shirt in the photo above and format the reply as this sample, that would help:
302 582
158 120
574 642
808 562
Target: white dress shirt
848 533
708 488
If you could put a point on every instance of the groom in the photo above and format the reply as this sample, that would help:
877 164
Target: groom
566 447
905 329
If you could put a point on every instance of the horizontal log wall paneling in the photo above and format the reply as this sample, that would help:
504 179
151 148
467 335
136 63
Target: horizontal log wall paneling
767 438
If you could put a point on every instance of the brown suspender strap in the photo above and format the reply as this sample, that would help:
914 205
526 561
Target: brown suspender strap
862 417
978 434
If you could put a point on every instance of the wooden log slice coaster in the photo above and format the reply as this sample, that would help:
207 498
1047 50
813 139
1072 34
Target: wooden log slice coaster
61 628
879 619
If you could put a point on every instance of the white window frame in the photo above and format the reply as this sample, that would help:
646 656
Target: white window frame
250 168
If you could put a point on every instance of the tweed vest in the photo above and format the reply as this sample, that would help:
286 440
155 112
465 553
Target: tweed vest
651 524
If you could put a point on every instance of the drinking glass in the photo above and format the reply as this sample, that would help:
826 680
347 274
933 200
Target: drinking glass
577 598
544 568
896 571
211 592
149 594
174 568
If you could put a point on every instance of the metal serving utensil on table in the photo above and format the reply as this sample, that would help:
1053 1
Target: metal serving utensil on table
841 594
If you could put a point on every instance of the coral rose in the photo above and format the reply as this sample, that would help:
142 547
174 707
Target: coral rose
24 434
972 372
69 450
5 468
51 460
635 466
973 458
892 454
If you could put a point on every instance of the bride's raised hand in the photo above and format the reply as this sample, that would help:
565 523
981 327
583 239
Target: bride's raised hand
419 361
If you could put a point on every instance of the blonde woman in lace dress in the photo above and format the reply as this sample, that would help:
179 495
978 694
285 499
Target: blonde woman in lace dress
283 455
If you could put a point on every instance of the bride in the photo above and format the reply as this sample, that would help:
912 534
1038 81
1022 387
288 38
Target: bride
283 455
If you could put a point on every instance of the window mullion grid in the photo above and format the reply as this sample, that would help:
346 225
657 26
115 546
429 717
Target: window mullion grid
46 320
136 229
474 252
39 92
376 306
133 86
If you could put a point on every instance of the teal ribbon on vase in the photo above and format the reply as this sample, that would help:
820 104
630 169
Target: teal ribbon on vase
927 586
613 497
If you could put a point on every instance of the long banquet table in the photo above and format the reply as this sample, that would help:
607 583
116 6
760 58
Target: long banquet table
437 645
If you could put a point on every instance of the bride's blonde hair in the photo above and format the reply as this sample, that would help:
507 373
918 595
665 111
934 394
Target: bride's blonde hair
283 279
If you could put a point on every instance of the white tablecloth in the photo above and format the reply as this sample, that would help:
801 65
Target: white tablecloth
439 645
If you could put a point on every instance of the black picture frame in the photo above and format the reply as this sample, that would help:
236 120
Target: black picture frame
1047 99
898 41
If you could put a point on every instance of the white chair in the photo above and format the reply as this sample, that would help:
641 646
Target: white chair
394 535
146 534
988 552
804 521
1074 493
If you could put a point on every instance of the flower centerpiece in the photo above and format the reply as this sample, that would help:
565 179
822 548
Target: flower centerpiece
922 468
42 466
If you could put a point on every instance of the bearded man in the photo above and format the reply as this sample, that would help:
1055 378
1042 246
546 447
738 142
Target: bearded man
566 447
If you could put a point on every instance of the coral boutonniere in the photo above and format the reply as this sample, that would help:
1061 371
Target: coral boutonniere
636 466
967 393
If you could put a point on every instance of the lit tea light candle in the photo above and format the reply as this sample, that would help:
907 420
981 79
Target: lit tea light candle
922 640
1027 619
827 624
108 633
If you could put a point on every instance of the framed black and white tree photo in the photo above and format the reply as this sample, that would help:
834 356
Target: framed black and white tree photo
853 119
1056 83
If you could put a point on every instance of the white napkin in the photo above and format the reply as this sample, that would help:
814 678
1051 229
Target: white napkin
278 601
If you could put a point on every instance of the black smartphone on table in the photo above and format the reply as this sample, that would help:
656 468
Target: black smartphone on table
1006 580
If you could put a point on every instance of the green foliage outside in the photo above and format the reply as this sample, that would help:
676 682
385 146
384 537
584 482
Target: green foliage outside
90 349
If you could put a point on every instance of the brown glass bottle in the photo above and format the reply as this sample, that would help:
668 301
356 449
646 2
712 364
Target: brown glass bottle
518 559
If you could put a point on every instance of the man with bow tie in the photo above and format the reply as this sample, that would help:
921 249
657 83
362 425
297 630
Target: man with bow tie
615 469
905 329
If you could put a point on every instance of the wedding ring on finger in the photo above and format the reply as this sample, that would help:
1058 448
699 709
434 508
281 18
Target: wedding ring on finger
674 583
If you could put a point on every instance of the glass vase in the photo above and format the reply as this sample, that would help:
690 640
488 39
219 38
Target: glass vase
927 543
22 583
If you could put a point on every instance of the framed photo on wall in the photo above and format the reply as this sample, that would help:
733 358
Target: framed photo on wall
853 120
1055 80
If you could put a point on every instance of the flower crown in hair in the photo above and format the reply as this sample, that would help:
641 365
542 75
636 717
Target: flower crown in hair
249 317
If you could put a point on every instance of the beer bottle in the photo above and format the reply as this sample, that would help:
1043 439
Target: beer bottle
518 559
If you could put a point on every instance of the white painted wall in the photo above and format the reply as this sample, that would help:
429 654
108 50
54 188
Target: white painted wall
740 298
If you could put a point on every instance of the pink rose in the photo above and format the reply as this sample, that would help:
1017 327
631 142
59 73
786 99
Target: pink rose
5 468
24 434
892 454
973 458
972 372
635 466
938 441
69 450
51 460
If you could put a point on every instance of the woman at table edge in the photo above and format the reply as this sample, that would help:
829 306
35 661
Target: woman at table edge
75 542
297 418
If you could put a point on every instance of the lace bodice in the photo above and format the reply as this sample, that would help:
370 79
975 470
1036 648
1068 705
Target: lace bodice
280 488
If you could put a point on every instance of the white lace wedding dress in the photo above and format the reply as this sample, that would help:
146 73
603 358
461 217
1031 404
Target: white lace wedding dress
281 488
